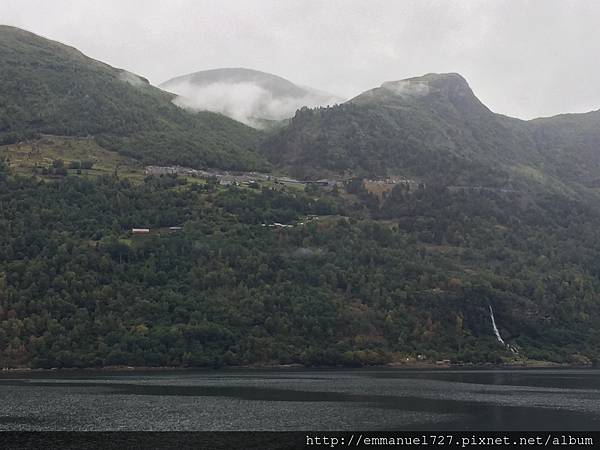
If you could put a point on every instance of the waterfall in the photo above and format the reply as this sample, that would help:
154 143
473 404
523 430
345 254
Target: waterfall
496 332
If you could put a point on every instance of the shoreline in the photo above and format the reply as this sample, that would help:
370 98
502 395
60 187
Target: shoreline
392 366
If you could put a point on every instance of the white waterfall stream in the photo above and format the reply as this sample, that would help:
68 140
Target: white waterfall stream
497 333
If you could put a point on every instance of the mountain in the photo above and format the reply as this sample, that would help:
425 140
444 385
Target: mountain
488 253
434 127
410 126
571 145
49 88
250 96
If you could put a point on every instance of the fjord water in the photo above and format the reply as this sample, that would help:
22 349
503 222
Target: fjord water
361 399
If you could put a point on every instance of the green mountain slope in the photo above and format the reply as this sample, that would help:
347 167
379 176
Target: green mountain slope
50 88
78 289
571 145
414 126
434 127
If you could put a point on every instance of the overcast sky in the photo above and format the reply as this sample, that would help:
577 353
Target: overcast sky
523 58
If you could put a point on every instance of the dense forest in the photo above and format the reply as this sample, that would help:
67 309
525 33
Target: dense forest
414 278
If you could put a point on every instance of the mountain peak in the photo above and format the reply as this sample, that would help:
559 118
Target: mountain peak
432 89
447 79
233 75
426 84
247 95
415 87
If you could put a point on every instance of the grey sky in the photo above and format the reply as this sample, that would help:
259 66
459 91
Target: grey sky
524 58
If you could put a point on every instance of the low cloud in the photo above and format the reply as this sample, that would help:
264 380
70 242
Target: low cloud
133 79
407 88
243 101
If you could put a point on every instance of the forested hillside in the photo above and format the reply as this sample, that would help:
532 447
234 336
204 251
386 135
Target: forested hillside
433 127
436 216
418 278
571 144
50 88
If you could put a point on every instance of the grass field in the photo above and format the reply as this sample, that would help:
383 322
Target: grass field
31 157
36 158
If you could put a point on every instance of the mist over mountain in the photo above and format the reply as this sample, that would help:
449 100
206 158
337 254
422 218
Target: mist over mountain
50 88
246 95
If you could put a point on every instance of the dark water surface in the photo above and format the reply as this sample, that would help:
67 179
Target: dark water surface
362 399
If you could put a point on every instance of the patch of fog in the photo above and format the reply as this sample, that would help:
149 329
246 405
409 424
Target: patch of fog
244 101
407 88
132 79
306 252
